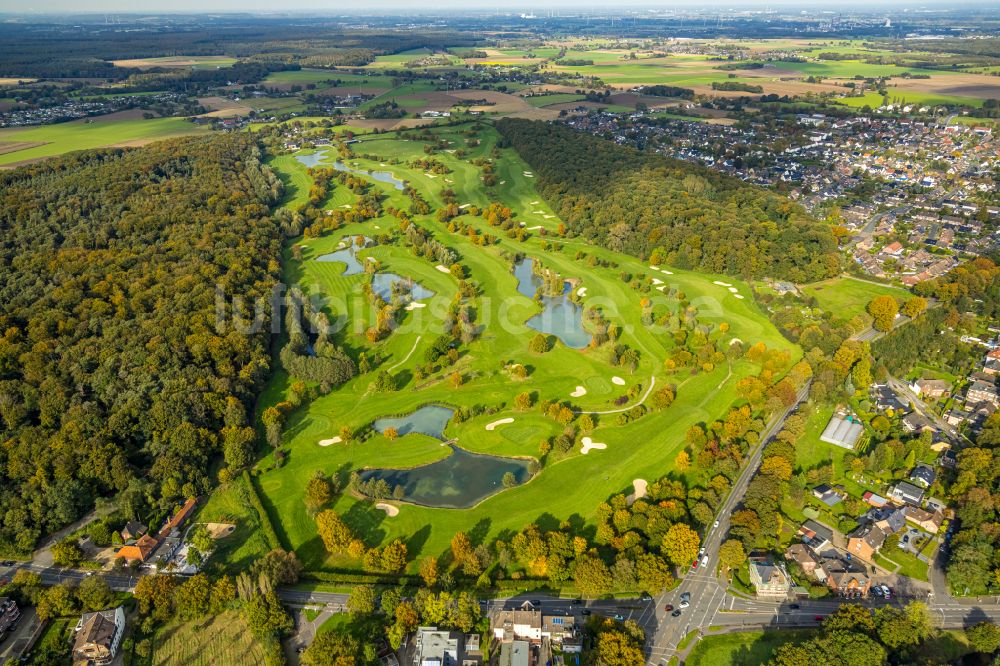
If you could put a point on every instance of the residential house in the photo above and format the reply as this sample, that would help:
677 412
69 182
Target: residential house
805 558
770 580
893 249
928 521
437 648
511 625
931 388
98 636
516 653
865 541
980 391
9 614
138 551
824 493
873 499
906 493
915 421
816 536
948 459
133 530
169 535
559 628
888 519
923 476
843 431
848 579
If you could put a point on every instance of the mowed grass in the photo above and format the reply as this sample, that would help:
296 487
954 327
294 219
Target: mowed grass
218 639
555 98
569 489
748 648
846 296
82 135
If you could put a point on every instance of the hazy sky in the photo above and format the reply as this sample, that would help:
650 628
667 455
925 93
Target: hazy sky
344 6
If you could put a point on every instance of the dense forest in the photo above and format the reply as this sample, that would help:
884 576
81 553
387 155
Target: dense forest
671 211
114 375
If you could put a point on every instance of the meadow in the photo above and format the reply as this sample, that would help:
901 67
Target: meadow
846 297
567 489
219 639
122 129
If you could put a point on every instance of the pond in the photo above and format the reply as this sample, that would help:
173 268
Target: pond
560 316
461 480
316 159
382 285
429 420
348 255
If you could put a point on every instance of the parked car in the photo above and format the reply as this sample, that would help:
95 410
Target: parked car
685 603
694 565
794 606
619 617
585 611
818 618
715 524
576 602
668 607
877 590
676 613
646 596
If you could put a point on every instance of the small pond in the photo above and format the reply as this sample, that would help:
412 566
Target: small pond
461 480
429 420
317 158
560 316
382 285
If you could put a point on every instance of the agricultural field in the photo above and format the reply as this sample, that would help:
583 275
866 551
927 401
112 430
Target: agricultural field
847 297
176 62
220 639
641 449
127 128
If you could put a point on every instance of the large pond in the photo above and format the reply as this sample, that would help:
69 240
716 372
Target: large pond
348 255
460 480
429 420
382 285
317 159
560 316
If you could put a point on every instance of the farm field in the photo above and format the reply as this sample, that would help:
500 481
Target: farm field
847 297
119 129
219 639
643 448
172 62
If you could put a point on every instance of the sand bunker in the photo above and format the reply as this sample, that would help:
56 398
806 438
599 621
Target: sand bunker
655 268
722 284
638 492
443 269
534 203
657 281
390 509
328 442
372 259
499 422
666 272
582 291
414 305
739 296
534 228
662 287
579 392
617 381
464 206
220 530
589 444
733 290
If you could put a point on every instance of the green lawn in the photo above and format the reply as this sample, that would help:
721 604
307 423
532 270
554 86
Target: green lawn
846 297
749 648
642 449
555 98
97 133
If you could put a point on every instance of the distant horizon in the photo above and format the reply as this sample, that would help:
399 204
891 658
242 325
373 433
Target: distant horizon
373 7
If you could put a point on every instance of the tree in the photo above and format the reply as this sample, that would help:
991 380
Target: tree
265 616
279 567
319 492
592 576
94 593
731 554
539 343
155 595
523 401
883 310
334 532
200 538
914 306
680 544
683 461
237 446
461 548
363 600
56 601
192 598
394 556
984 637
390 434
509 480
616 648
332 648
429 571
67 552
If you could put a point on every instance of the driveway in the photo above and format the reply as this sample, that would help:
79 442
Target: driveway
305 631
17 640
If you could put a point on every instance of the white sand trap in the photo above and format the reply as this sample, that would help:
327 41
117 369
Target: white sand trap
666 272
655 268
582 291
381 163
375 226
328 442
733 290
499 422
538 212
739 296
535 228
722 284
548 217
534 203
661 287
657 281
464 206
448 180
443 269
414 305
390 509
372 259
341 245
528 175
617 381
638 492
589 444
430 175
346 206
735 341
503 182
579 392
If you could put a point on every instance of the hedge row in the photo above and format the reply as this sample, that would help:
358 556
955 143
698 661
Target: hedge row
253 499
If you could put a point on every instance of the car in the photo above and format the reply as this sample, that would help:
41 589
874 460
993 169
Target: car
694 565
794 606
715 524
300 649
646 596
818 618
668 607
906 538
619 617
585 611
7 563
576 602
685 603
676 613
686 596
701 552
877 590
704 561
